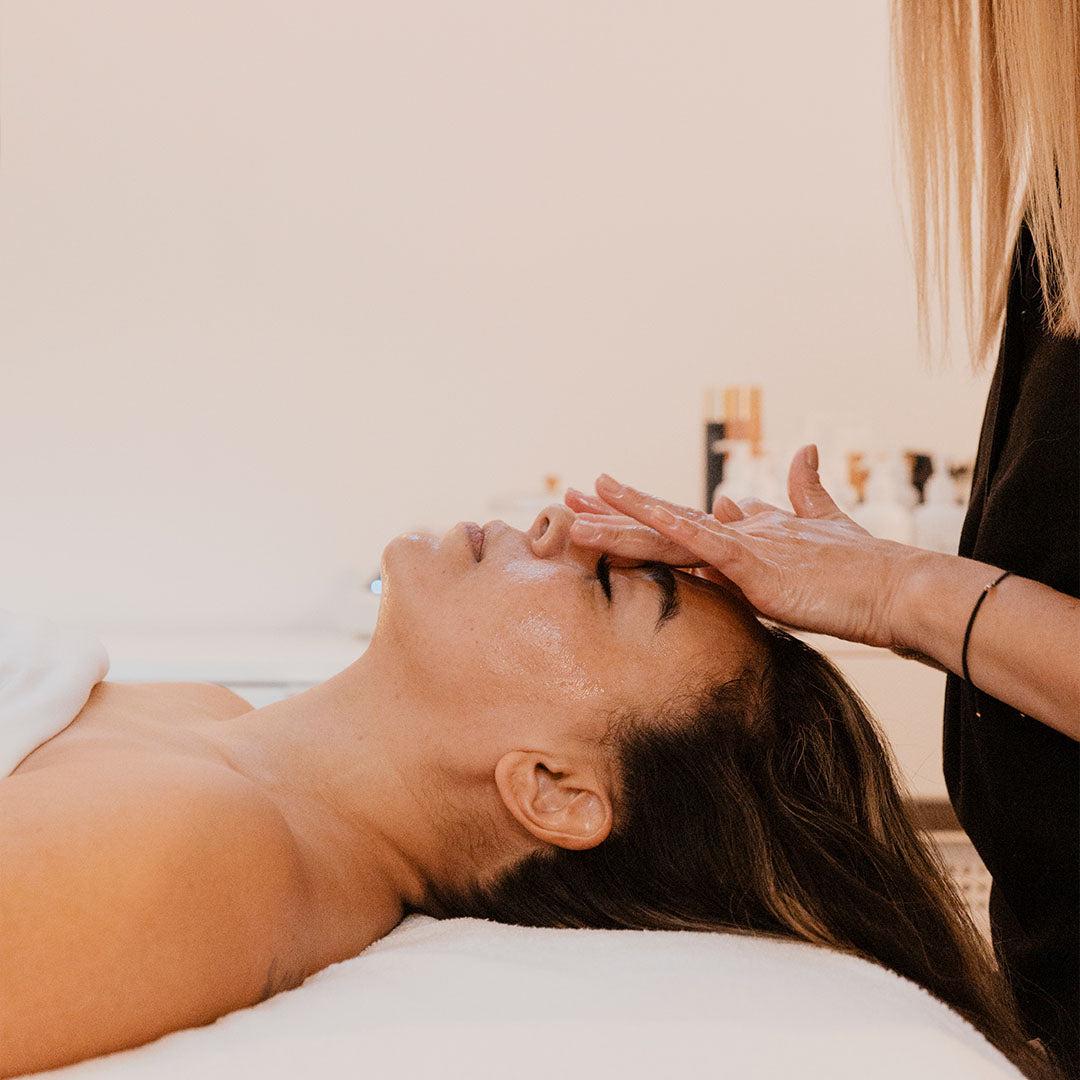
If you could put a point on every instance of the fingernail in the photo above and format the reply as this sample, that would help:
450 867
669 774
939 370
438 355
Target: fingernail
811 456
612 487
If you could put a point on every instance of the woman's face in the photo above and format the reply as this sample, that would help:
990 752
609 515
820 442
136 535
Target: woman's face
528 630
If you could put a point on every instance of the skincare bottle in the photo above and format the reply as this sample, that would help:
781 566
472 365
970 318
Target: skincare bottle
922 465
767 486
733 434
739 474
940 518
883 512
857 474
825 432
901 466
833 474
714 445
962 476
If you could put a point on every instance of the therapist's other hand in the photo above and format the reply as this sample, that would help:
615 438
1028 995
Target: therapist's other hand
814 569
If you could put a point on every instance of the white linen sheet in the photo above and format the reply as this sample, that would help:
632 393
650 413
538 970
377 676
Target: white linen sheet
468 999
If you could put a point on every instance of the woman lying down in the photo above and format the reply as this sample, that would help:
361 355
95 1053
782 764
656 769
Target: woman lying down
533 736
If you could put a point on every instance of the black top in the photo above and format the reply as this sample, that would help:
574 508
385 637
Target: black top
1015 783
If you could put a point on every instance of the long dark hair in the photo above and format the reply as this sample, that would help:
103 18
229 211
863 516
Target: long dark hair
768 807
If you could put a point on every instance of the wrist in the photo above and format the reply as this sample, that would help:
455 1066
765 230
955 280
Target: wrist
934 602
913 596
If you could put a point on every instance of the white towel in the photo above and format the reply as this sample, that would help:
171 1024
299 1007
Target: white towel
465 999
46 674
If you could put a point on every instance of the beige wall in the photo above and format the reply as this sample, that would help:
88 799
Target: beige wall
279 280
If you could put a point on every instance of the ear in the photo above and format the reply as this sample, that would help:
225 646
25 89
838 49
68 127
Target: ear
570 809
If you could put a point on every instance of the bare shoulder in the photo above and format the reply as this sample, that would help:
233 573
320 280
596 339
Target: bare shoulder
145 812
211 696
164 699
135 712
166 885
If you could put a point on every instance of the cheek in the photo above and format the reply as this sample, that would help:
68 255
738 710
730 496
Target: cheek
492 640
540 655
651 674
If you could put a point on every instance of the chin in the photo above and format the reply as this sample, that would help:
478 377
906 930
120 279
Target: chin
418 589
403 558
407 547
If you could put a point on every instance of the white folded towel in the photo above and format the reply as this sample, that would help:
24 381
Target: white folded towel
46 674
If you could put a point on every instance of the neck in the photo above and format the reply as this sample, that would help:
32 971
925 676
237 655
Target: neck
338 764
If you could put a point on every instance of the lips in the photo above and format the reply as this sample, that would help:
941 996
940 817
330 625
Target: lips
475 536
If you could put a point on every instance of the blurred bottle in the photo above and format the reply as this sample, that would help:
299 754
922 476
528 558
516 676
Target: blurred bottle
885 510
714 444
940 518
735 463
834 475
901 467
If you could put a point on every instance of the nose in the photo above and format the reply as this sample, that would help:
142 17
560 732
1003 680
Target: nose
549 536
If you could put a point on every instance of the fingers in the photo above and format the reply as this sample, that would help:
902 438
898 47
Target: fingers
750 506
581 503
710 573
628 540
808 497
698 532
725 509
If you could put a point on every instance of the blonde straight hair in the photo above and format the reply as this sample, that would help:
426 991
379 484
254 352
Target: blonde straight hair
989 117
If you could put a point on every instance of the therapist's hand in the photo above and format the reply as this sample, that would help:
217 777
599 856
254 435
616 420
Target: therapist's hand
814 569
629 543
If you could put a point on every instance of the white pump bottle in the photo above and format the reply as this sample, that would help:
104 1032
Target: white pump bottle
940 518
884 512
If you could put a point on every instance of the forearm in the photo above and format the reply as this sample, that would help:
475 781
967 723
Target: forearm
1024 648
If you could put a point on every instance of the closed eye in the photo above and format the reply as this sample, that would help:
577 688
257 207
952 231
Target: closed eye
603 575
660 574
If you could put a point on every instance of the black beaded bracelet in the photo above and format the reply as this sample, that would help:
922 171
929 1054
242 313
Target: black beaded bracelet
971 621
